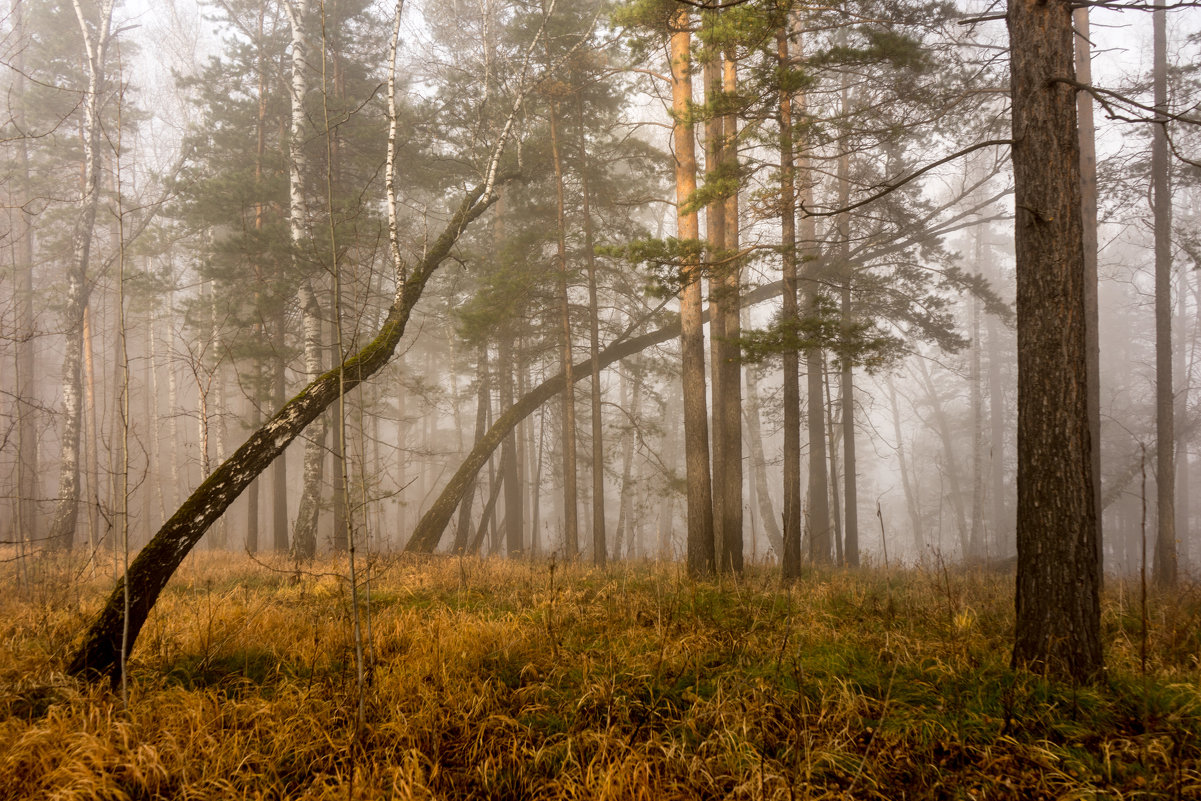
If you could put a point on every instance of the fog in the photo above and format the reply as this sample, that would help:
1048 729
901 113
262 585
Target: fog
198 222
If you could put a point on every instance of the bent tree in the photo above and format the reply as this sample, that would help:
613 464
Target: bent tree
99 655
113 633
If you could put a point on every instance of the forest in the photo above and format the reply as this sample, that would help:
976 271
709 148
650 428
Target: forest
639 399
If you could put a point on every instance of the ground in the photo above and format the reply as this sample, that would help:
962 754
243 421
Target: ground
489 679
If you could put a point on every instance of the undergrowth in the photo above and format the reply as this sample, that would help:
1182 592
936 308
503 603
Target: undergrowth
515 680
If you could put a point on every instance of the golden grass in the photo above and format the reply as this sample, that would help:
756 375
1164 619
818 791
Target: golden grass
513 680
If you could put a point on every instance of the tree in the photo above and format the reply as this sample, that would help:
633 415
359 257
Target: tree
1058 606
701 551
126 610
1164 571
97 37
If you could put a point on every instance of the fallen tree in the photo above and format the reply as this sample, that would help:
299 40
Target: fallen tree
432 525
114 632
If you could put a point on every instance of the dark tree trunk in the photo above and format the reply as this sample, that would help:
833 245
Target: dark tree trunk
1088 219
1058 622
509 466
729 362
791 555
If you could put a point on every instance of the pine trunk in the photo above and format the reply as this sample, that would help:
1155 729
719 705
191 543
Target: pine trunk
701 551
1057 627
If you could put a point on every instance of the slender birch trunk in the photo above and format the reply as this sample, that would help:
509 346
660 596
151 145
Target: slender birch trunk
96 43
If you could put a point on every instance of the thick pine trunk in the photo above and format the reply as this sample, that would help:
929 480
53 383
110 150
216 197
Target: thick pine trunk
1057 627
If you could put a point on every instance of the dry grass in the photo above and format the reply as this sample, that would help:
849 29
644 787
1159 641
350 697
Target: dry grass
504 680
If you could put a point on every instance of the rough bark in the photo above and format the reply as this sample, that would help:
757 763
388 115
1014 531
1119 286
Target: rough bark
1057 627
99 653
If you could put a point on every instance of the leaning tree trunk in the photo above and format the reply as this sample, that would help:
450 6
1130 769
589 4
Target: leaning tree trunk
62 527
429 530
99 654
1058 614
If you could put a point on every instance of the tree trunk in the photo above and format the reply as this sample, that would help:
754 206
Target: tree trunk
279 470
22 233
907 483
701 552
715 236
1088 219
1057 627
1001 528
790 556
950 463
599 545
509 465
1164 572
976 538
571 535
819 484
75 300
835 501
729 354
754 438
846 385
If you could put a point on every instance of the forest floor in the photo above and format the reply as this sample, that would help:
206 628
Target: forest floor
490 679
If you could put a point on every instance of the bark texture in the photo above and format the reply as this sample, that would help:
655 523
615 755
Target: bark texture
1057 628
